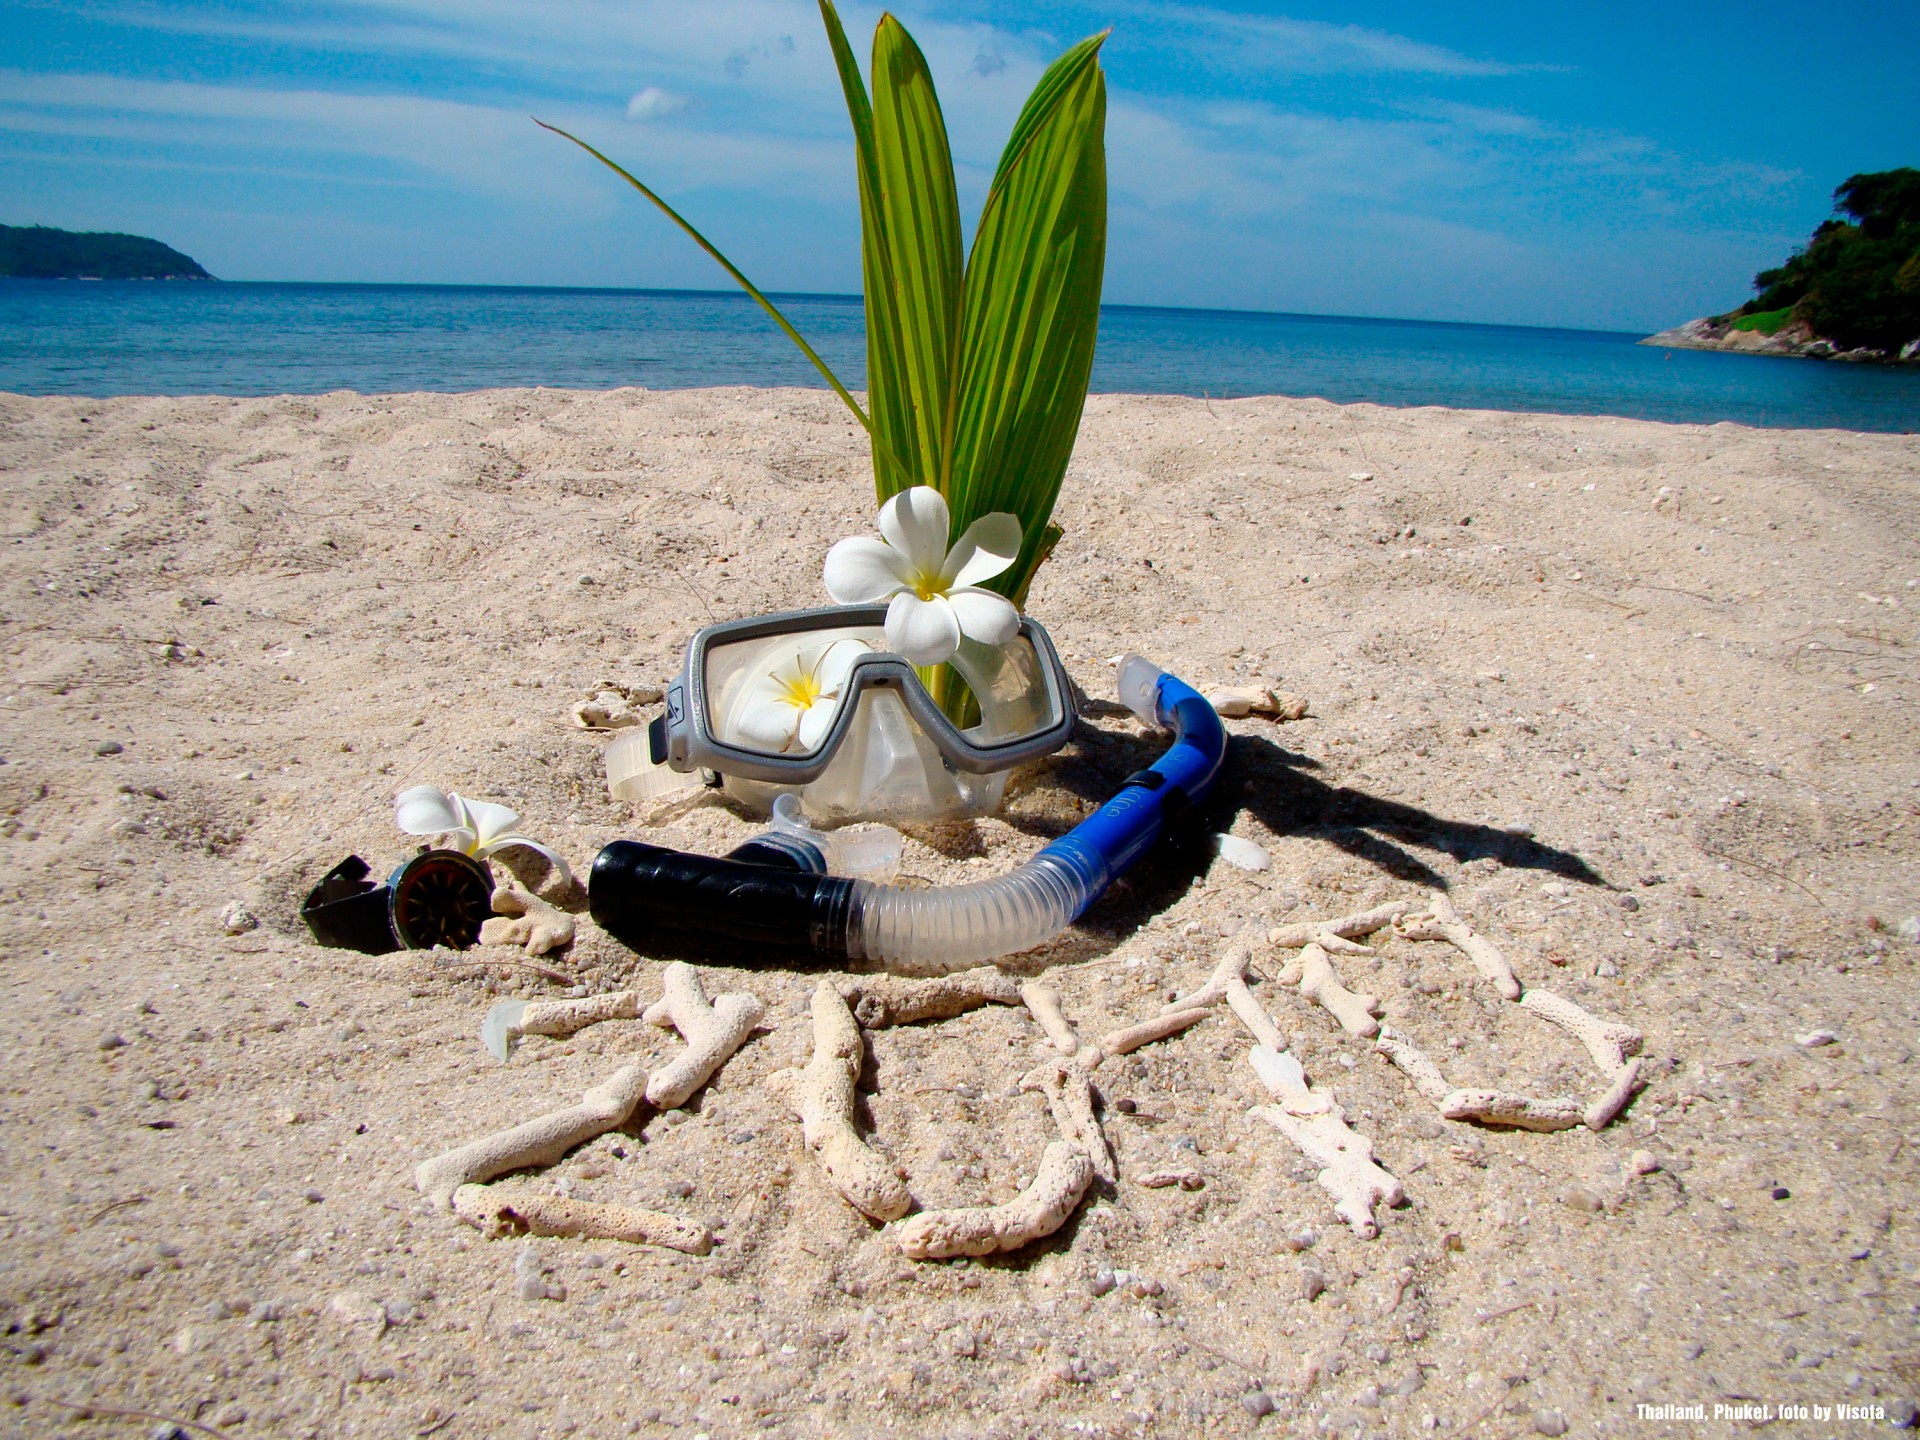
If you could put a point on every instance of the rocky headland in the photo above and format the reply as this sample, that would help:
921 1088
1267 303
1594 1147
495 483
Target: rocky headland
1796 339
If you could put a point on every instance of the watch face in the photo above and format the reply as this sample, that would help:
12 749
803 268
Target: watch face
440 898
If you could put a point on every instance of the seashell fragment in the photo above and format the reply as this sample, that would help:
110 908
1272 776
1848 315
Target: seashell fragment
1244 854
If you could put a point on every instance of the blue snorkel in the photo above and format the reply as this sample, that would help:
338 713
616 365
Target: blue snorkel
1104 844
637 888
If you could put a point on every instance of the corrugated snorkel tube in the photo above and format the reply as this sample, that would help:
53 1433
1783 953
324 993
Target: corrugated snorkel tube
636 889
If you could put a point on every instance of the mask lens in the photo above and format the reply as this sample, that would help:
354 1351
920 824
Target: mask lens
1010 685
779 694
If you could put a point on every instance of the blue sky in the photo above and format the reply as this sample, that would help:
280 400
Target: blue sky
1624 166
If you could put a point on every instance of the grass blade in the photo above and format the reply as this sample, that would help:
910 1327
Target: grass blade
731 269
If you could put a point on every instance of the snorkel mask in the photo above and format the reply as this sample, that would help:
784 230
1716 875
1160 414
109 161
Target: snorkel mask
813 703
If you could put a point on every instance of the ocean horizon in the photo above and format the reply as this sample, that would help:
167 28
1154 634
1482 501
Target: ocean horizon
65 337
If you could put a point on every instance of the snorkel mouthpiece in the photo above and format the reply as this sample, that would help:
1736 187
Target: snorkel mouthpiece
637 889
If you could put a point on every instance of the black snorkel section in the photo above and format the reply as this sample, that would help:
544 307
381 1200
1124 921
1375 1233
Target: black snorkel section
637 890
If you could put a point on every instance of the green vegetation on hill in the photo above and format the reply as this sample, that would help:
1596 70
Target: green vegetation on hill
1857 281
40 252
1765 322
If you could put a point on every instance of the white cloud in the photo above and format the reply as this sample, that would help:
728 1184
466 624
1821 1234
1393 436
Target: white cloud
486 149
988 61
1229 40
653 102
1214 201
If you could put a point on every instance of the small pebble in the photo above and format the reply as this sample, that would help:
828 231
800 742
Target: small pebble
350 1307
1102 1282
1257 1403
1607 970
1312 1284
1233 703
1780 1192
1813 1039
1903 1414
1581 1198
108 747
237 919
1379 1354
1549 1422
1626 902
111 1041
1642 1162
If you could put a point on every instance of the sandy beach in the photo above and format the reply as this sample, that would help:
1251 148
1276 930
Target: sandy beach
1640 698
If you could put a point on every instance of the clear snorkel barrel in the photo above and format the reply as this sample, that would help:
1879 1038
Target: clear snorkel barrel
930 932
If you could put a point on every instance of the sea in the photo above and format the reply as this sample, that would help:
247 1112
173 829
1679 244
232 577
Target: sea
66 337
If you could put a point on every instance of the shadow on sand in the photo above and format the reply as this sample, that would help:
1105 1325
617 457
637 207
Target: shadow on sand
1279 787
1282 790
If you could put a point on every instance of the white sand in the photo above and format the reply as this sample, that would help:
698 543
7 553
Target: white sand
1683 658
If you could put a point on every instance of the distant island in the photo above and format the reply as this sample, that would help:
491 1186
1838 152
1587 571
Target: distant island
40 252
1852 292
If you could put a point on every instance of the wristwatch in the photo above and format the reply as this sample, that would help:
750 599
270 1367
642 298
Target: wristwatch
439 897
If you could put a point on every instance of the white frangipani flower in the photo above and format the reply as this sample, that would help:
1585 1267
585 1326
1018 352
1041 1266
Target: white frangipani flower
790 705
473 827
934 594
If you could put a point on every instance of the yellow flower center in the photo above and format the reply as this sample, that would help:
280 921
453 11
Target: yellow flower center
801 690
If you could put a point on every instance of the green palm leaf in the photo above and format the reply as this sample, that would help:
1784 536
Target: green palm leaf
910 250
1032 311
976 374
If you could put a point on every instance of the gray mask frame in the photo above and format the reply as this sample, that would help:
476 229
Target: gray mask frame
682 738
